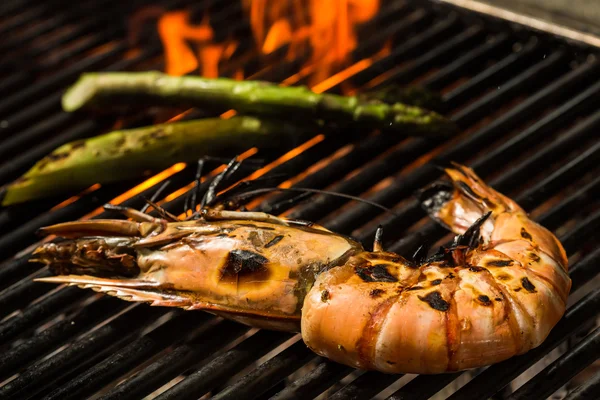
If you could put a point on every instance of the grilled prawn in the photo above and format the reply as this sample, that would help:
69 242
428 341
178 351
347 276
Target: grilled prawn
497 291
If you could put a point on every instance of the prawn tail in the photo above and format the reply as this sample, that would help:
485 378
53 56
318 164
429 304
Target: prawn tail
134 290
463 201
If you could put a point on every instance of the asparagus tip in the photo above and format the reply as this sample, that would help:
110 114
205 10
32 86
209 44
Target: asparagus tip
79 94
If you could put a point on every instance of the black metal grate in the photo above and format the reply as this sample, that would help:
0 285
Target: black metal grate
527 105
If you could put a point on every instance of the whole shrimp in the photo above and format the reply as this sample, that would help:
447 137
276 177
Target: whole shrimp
497 291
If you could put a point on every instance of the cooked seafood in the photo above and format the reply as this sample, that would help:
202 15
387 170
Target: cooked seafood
497 291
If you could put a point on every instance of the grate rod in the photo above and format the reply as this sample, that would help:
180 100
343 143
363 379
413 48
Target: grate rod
315 382
268 374
587 391
562 370
220 369
175 362
80 354
126 358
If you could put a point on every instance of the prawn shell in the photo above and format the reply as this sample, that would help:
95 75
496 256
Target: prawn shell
514 227
484 321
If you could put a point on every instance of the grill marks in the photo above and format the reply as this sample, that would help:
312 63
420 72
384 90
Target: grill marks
510 317
453 326
367 344
274 241
525 234
499 263
245 264
527 285
376 273
484 300
435 301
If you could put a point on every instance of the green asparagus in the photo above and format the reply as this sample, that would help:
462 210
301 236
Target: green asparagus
413 95
127 154
250 97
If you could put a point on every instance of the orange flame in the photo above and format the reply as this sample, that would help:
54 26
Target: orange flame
326 27
329 28
174 29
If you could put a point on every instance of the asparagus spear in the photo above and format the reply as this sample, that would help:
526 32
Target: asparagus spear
250 97
127 154
413 95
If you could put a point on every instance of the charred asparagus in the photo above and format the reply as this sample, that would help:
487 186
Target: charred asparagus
127 154
412 95
250 97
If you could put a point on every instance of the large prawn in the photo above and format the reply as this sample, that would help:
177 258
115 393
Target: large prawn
497 291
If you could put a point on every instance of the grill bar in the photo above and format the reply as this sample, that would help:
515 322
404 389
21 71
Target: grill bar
589 390
474 59
216 335
315 382
574 202
583 232
125 359
566 367
38 312
80 10
423 387
267 375
221 368
80 354
56 334
494 75
365 386
584 270
435 57
18 21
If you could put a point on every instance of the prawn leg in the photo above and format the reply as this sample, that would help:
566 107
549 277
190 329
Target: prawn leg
378 242
116 227
211 214
132 213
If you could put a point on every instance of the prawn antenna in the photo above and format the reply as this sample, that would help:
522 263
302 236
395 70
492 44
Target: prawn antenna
194 193
156 194
255 192
420 254
210 193
161 211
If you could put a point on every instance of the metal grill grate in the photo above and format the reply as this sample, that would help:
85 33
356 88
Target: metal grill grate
527 105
